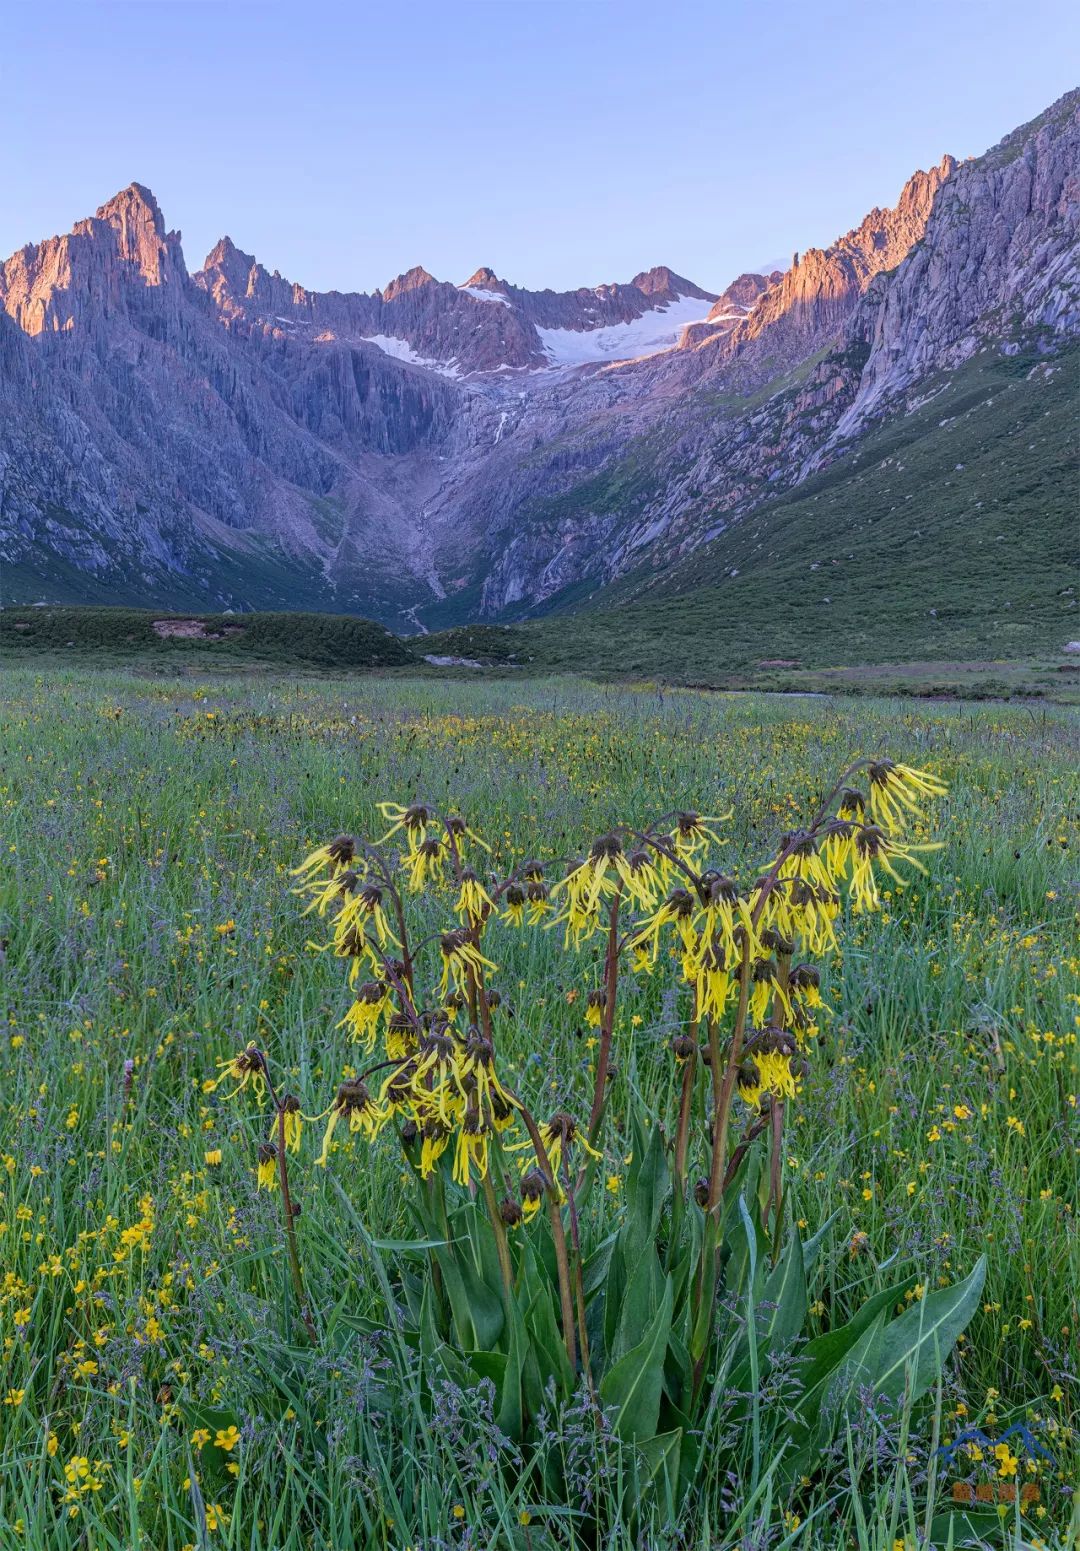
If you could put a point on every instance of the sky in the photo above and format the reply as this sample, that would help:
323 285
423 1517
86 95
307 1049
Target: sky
561 142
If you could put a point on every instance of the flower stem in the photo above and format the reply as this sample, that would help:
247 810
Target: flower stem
727 1087
289 1214
562 1259
686 1102
499 1230
579 1283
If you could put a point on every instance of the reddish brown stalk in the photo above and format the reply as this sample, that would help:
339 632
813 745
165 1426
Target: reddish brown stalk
723 1106
289 1213
686 1099
499 1229
741 1150
579 1283
776 1161
562 1259
404 992
289 1210
399 911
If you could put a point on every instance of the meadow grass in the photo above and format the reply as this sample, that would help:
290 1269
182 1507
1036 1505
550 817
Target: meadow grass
148 931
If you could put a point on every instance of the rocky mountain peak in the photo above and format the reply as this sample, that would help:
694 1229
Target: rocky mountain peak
225 253
663 282
141 239
134 206
411 280
485 279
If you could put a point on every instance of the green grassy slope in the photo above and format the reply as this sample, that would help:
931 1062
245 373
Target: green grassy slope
950 532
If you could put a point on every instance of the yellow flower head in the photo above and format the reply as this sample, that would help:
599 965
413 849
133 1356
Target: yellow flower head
353 1102
414 820
461 958
474 903
334 857
266 1170
896 793
769 1070
366 911
459 835
594 1008
372 1002
693 833
514 901
767 992
677 910
874 848
292 1122
248 1066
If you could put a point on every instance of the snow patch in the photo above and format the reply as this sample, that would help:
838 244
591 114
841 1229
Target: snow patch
656 330
486 296
401 350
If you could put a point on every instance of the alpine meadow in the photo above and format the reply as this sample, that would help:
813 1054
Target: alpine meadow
619 1173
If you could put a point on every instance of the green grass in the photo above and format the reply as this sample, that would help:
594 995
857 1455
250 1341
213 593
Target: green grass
946 534
116 636
145 918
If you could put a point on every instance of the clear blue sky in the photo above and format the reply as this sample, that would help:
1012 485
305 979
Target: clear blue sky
562 143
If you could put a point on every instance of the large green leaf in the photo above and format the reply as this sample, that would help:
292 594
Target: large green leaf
642 1297
821 1355
510 1414
647 1186
915 1345
840 1388
489 1365
614 1288
485 1301
812 1247
823 1407
951 1531
634 1384
480 1244
407 1246
678 1370
464 1331
784 1298
662 1455
595 1267
779 1315
546 1340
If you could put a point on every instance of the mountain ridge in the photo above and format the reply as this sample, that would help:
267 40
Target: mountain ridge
432 452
